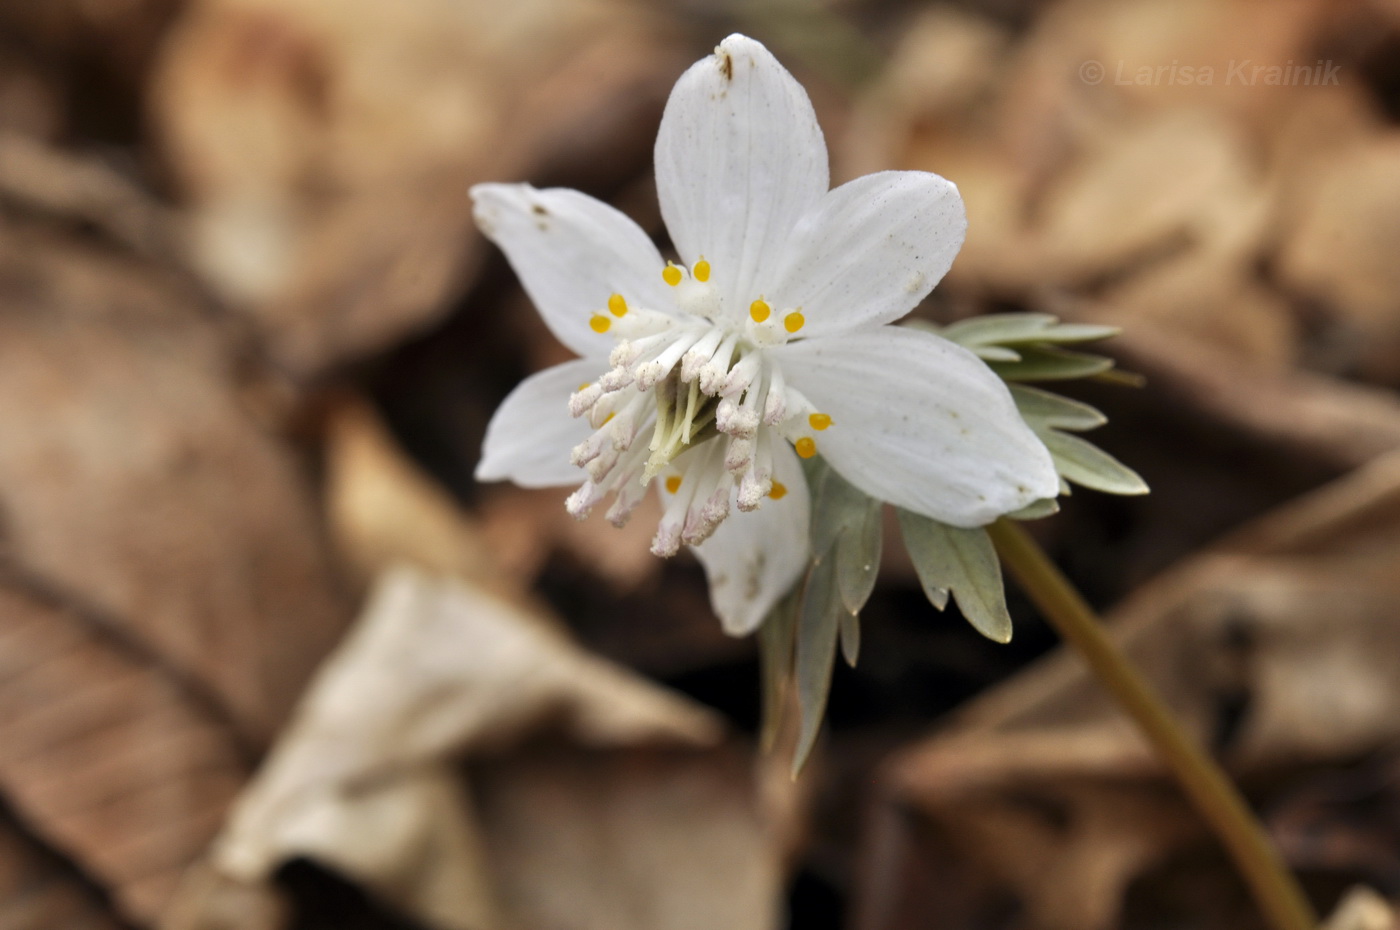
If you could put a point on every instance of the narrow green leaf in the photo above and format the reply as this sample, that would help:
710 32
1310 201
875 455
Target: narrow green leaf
850 638
1066 334
858 557
1042 408
998 328
1037 510
1041 363
964 562
1087 465
996 353
836 506
777 637
817 630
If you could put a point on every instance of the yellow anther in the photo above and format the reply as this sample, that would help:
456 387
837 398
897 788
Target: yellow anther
599 323
779 491
819 421
806 447
583 386
793 321
673 483
759 310
671 275
608 419
617 305
701 270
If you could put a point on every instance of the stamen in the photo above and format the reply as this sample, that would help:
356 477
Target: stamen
584 499
628 351
759 310
601 467
712 374
806 447
615 379
743 375
588 450
599 323
692 402
738 456
758 479
671 274
673 483
617 305
738 420
583 401
702 522
819 421
653 371
701 270
778 491
794 321
629 495
700 353
775 404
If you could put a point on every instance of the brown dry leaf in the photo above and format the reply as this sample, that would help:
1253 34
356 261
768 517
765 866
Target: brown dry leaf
83 189
1044 784
1127 36
1173 181
1340 245
29 101
38 892
639 814
1160 199
113 760
168 592
525 526
134 476
640 838
383 509
1308 418
1182 294
325 150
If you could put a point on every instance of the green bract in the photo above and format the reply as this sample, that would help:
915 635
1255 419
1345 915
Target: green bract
799 639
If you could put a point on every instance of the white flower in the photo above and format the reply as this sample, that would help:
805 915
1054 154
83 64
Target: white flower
767 341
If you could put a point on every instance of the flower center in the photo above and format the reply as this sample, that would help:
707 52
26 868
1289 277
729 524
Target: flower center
699 384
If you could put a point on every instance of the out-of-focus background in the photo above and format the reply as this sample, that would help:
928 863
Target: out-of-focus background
270 659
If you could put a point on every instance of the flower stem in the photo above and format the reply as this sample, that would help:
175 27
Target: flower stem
1216 799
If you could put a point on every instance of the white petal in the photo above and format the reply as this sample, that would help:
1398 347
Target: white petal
739 160
872 250
755 557
571 253
921 423
529 437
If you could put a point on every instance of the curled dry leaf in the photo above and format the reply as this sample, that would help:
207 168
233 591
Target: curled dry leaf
325 149
1363 909
1050 790
631 815
383 509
